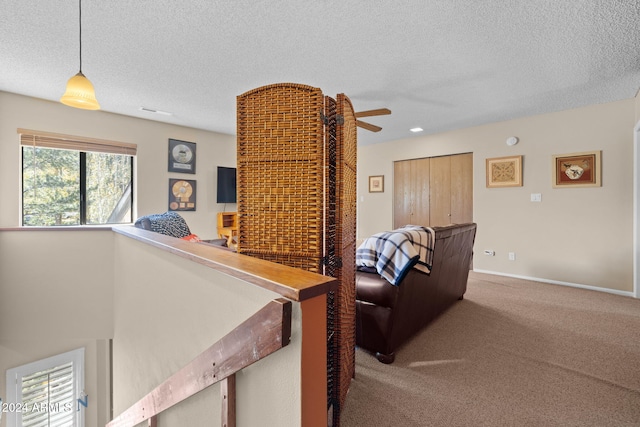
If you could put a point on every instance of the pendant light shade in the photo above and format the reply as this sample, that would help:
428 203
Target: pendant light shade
80 92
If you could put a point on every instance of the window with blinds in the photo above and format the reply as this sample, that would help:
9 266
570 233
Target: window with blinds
70 180
49 396
46 393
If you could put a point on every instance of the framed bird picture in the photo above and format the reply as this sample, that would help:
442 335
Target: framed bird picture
577 170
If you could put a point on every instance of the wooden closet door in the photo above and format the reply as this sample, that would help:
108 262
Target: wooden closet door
402 193
411 192
421 186
462 188
433 191
440 186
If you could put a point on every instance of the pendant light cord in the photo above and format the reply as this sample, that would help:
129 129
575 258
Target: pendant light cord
80 92
80 19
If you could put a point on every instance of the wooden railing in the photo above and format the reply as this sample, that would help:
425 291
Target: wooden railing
267 331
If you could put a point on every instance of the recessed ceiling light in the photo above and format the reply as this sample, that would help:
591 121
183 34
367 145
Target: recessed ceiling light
416 129
151 110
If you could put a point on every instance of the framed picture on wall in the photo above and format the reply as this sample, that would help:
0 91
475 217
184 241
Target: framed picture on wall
182 156
504 172
376 184
577 170
182 195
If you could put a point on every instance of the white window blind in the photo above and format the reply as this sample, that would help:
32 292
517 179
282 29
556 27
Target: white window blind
49 397
45 393
34 138
70 180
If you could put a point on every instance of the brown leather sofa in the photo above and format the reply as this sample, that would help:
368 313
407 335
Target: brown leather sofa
387 315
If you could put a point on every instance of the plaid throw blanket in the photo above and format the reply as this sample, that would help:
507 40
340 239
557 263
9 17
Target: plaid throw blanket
394 253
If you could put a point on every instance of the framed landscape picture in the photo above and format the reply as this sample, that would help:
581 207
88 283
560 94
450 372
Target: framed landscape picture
504 172
577 170
182 156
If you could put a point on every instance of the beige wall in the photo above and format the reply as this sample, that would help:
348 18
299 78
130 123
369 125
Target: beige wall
82 264
42 266
167 315
14 353
152 178
67 290
579 236
82 288
638 106
541 234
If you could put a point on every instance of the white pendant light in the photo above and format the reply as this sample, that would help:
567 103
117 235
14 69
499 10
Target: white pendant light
80 92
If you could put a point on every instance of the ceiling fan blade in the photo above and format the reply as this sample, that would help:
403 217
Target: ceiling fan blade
377 112
368 126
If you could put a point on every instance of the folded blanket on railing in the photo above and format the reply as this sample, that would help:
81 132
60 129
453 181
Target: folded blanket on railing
394 253
169 223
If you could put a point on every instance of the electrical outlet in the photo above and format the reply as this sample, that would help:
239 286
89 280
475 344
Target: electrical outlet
512 256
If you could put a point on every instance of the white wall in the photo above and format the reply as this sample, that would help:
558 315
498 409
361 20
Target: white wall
152 177
579 236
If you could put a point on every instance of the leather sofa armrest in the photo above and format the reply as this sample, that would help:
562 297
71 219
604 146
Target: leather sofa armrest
372 288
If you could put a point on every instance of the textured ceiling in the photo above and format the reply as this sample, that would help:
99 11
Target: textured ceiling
437 64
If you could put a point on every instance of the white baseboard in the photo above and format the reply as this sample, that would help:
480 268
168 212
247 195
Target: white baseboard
557 282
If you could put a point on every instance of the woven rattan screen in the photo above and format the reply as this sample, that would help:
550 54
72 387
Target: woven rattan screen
296 201
340 232
346 155
332 263
280 175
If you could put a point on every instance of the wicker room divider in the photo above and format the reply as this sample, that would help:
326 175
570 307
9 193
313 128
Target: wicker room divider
297 152
346 153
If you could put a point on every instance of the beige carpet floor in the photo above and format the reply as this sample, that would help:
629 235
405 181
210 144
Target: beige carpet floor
512 353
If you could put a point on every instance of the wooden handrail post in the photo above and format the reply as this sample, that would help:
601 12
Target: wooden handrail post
228 397
153 421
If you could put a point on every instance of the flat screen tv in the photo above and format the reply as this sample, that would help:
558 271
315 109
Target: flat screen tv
226 185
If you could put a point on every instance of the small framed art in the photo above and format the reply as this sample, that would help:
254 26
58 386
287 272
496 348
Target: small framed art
504 172
182 195
376 184
577 170
182 156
